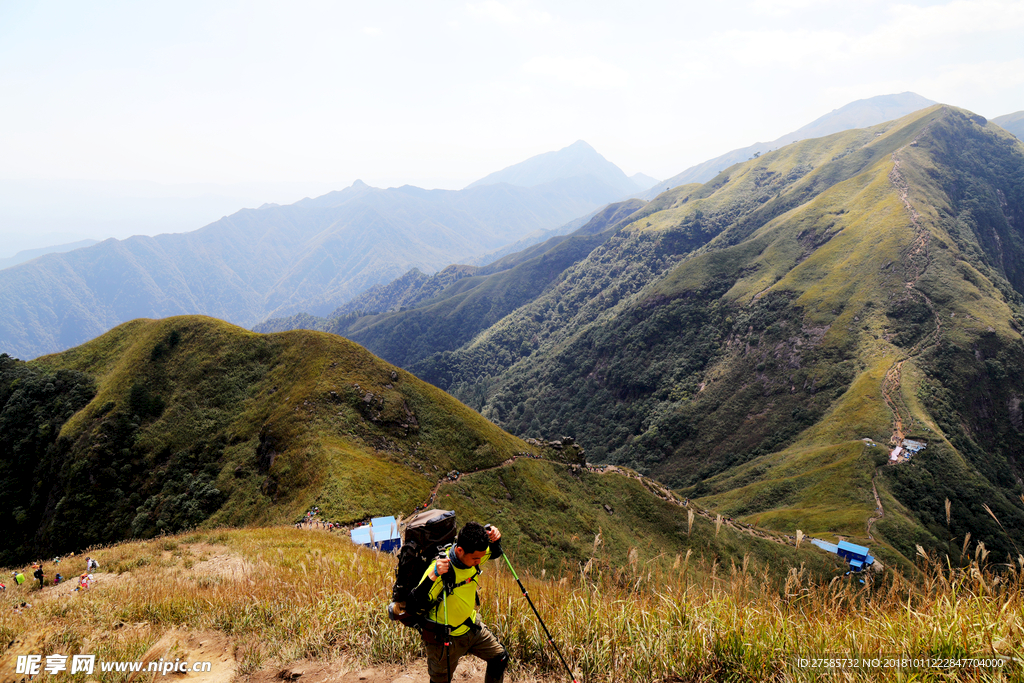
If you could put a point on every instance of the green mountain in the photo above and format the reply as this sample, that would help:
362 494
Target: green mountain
312 256
1013 123
158 426
416 316
866 285
763 340
857 114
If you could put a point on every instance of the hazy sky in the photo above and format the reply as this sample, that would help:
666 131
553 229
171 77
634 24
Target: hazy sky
438 94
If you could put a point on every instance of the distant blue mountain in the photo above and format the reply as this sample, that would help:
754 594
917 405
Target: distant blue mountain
274 261
577 160
29 254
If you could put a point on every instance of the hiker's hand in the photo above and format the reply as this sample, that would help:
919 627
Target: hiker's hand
493 535
441 567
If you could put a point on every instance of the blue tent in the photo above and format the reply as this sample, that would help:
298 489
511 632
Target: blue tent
381 533
856 555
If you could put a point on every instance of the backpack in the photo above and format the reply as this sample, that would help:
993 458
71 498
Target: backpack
426 534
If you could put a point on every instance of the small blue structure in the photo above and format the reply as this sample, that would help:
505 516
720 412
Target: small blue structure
857 555
381 533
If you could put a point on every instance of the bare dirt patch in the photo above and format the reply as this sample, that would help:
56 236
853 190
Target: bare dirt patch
470 670
206 646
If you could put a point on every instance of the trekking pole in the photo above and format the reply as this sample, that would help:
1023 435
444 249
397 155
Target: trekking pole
447 637
548 633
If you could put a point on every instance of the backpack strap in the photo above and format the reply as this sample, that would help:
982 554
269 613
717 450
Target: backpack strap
449 583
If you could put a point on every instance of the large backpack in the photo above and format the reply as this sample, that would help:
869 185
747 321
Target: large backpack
426 534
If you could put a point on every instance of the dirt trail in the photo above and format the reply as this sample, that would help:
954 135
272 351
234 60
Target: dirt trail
470 669
917 260
879 511
891 394
657 489
662 492
458 477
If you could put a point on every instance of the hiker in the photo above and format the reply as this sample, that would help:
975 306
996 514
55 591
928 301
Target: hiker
469 634
57 579
19 578
91 565
38 573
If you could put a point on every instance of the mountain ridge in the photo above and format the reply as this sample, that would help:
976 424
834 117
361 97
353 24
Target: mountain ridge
159 426
1014 123
783 318
275 260
857 114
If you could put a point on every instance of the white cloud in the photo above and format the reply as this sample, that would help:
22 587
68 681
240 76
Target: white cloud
980 78
586 71
909 29
372 31
502 13
799 48
778 8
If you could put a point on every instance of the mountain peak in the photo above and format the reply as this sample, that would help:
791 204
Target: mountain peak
578 159
581 144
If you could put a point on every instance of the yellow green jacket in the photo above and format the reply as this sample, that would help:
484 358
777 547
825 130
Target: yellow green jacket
461 603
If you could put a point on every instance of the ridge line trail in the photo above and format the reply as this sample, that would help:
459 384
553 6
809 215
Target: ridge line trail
656 488
892 384
918 251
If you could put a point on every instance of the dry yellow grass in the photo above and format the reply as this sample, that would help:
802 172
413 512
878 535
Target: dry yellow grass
280 595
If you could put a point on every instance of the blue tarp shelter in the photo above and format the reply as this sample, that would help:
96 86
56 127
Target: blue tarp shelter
857 555
826 546
381 533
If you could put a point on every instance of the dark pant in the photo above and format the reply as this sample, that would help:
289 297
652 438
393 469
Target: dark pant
481 643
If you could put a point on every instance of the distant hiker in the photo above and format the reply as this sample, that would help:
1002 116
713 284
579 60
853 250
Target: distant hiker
453 602
19 578
38 573
91 564
83 582
57 579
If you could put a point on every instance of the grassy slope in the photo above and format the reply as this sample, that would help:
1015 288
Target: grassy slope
276 598
822 482
232 398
